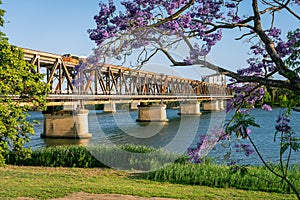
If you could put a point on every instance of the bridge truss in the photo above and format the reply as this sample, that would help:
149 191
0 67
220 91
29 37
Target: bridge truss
108 82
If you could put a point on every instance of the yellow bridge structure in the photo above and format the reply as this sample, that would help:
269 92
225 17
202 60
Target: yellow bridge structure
107 84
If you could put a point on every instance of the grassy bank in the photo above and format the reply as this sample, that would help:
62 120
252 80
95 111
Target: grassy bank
47 183
139 158
250 178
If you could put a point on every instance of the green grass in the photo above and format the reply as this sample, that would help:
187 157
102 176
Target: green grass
47 183
250 178
208 174
129 156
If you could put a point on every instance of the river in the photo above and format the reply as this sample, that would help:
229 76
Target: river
180 133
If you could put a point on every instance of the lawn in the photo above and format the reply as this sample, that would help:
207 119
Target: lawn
47 183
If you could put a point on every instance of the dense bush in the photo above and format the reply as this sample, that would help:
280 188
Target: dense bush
58 156
130 156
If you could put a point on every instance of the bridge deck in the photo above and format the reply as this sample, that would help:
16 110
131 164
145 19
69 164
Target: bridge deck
56 100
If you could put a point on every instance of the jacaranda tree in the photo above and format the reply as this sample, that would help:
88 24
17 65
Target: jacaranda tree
21 89
151 27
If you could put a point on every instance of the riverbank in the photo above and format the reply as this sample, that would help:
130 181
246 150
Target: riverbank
157 166
51 183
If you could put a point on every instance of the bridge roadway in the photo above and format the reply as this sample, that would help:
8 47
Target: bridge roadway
105 83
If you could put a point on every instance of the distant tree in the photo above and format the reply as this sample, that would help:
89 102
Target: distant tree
280 97
283 101
268 98
21 89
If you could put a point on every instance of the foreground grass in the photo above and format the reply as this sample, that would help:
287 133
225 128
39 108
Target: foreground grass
46 183
256 178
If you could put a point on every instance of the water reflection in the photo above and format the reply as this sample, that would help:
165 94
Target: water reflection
60 142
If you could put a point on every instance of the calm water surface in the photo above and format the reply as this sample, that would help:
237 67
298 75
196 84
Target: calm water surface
180 133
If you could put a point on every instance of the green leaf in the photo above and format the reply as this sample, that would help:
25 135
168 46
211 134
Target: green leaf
295 146
16 78
283 148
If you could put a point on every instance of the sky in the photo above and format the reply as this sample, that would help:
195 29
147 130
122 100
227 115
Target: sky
56 26
60 26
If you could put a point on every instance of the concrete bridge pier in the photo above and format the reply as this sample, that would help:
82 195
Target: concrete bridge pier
211 106
110 107
222 104
152 113
189 108
71 106
134 105
66 124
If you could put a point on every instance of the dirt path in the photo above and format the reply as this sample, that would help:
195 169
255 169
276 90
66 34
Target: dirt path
87 196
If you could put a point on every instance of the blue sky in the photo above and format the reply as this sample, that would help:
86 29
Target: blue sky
57 26
60 26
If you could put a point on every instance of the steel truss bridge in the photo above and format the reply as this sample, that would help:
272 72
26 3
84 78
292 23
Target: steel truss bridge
96 85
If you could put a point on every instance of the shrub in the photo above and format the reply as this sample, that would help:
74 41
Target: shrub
131 157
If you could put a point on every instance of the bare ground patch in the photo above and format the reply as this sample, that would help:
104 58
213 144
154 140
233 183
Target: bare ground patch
87 196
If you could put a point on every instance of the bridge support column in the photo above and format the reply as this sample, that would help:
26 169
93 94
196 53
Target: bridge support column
222 104
66 124
211 106
189 108
152 113
71 106
134 105
110 107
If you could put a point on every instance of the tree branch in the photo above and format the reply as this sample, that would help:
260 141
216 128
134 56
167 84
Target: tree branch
287 8
238 78
174 16
241 24
270 47
245 79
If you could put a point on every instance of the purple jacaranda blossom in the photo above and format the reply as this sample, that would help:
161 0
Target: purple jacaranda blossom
91 78
140 13
230 5
244 111
262 91
229 105
248 131
274 32
188 61
266 107
79 81
283 49
283 123
246 148
205 144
